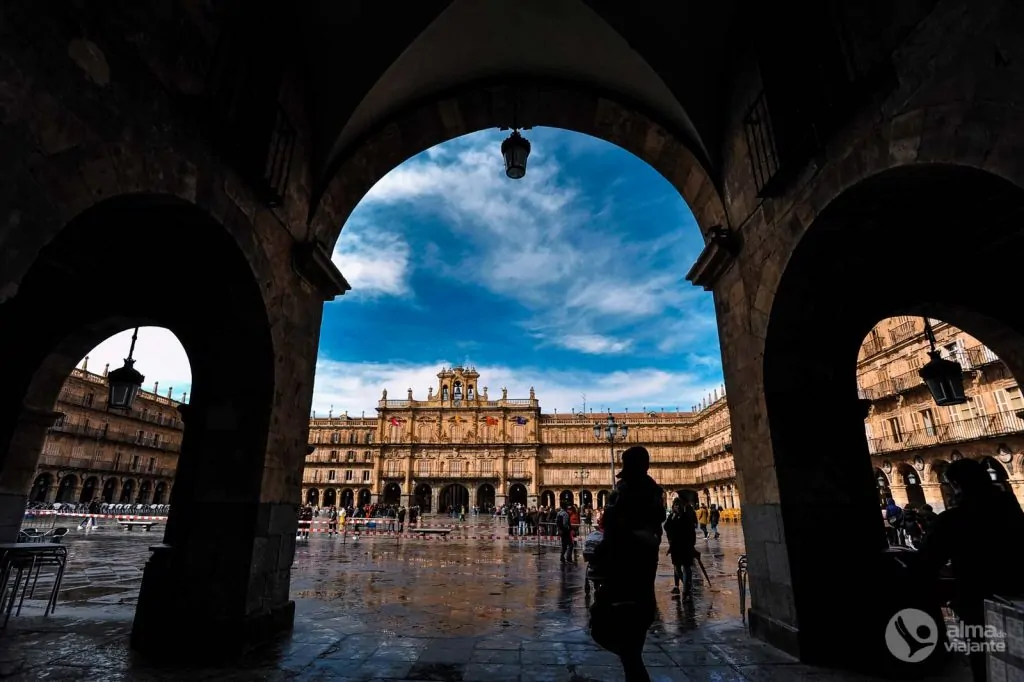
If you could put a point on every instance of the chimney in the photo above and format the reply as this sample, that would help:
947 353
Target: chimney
85 364
106 369
156 388
170 391
184 396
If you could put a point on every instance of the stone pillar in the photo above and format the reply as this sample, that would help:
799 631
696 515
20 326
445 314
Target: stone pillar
19 467
933 496
899 494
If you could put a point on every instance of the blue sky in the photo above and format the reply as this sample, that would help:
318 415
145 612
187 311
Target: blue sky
570 280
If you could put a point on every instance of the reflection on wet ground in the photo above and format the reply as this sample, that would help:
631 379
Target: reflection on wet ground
409 609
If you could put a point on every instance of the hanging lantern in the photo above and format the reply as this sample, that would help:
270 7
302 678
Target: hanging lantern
515 150
124 383
945 380
911 479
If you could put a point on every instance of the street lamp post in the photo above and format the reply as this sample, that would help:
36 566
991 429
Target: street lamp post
582 474
610 432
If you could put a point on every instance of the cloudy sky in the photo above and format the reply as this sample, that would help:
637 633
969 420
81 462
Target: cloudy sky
570 280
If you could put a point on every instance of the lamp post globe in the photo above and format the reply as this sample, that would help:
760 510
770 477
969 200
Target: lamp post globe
515 150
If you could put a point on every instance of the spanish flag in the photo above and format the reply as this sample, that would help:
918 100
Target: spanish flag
395 421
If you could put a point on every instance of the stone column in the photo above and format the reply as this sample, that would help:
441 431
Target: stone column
899 494
19 467
933 495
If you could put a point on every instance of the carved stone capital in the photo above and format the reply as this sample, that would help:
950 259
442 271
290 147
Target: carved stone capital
718 254
313 263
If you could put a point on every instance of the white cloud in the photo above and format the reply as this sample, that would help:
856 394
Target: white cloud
375 262
159 356
594 344
356 387
538 241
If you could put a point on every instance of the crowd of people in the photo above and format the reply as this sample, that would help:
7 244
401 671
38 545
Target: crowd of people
907 526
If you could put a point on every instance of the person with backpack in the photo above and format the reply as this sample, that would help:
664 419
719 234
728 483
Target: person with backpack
714 516
563 525
894 515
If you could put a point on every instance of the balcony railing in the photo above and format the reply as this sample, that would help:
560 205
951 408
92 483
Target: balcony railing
873 345
103 465
903 331
422 474
116 436
970 359
979 356
977 428
99 404
719 475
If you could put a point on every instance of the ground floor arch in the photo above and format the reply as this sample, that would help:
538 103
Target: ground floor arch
896 208
109 489
160 493
392 493
348 498
547 499
127 491
145 491
586 499
89 490
454 497
910 477
566 499
422 497
602 498
41 487
517 494
365 497
330 498
313 497
996 471
485 496
66 488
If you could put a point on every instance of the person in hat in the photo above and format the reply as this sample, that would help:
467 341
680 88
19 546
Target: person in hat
628 554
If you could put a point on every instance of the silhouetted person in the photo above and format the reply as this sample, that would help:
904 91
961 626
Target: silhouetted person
628 560
979 537
680 529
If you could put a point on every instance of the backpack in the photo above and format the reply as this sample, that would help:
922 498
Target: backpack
562 520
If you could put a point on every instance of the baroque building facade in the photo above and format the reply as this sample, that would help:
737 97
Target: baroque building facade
92 453
910 438
459 447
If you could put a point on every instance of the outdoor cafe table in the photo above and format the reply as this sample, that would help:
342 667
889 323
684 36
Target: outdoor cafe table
11 551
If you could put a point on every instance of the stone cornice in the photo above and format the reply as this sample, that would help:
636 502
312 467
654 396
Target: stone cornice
718 254
313 263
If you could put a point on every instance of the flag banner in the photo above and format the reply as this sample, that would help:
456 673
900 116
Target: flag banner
520 421
491 421
395 421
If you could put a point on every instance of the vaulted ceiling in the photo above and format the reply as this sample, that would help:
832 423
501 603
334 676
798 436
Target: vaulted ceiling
369 60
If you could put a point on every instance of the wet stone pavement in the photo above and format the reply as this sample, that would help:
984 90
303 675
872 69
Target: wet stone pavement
379 608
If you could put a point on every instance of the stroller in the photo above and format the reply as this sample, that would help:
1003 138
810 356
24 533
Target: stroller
593 574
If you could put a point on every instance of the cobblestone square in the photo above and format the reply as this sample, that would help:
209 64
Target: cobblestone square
387 608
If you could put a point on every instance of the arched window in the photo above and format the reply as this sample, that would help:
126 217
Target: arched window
335 437
369 437
457 391
469 392
444 392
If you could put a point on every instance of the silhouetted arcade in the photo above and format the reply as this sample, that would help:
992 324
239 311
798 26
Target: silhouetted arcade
221 147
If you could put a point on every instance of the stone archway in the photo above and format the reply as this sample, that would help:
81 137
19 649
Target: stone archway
895 207
109 489
911 479
517 494
884 491
89 487
566 499
364 498
602 498
422 496
996 471
313 497
41 487
453 498
485 496
392 493
127 495
547 499
348 498
66 488
160 493
547 102
586 499
145 490
330 498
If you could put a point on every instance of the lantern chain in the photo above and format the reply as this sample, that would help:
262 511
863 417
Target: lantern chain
929 334
135 337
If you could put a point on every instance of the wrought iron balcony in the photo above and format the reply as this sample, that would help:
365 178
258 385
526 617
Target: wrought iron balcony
988 426
116 436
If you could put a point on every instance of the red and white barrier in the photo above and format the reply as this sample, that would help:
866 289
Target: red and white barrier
83 515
